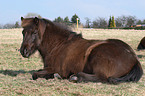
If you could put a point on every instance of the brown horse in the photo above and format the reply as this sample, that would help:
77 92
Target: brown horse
141 45
71 56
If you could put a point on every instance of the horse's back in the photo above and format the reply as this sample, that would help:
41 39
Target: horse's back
112 59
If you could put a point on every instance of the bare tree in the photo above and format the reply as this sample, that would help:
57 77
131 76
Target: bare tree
9 26
131 20
125 21
100 23
88 21
1 26
118 22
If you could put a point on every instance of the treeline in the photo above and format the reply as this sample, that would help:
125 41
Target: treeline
17 23
124 22
65 21
10 26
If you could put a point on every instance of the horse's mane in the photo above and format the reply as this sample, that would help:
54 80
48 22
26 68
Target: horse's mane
62 28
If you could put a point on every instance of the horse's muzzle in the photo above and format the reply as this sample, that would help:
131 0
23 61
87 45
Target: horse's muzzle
25 52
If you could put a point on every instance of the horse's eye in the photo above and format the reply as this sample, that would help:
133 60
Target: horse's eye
34 34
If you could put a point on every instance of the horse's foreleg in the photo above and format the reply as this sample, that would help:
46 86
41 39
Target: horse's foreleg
44 73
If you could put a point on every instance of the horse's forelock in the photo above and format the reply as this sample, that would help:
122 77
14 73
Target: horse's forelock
27 22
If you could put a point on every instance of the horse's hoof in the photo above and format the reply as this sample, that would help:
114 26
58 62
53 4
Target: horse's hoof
34 76
73 79
56 75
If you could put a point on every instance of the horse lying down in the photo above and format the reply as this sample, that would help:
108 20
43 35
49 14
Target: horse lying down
75 58
141 45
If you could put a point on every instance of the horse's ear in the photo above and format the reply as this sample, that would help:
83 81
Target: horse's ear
36 20
22 18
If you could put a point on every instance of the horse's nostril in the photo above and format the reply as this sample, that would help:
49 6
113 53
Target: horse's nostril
25 51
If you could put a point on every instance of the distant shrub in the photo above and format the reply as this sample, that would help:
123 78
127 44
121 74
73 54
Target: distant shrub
140 28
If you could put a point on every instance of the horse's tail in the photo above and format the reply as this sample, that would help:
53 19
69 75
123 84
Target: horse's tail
134 75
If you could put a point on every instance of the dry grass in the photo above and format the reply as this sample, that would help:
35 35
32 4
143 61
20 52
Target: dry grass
15 71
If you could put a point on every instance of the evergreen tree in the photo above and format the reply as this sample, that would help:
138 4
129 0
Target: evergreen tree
113 22
74 19
66 20
59 20
110 23
17 25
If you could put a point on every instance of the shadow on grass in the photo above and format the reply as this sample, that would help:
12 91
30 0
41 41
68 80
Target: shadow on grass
15 72
140 56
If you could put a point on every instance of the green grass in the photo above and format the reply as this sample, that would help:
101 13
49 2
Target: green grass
16 71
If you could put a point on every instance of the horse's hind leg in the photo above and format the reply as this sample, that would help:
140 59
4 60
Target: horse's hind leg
81 76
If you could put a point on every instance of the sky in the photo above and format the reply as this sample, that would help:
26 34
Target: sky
12 10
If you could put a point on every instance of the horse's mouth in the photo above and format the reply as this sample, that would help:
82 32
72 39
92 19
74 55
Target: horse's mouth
25 53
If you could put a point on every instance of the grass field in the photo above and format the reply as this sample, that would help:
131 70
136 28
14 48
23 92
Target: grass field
15 71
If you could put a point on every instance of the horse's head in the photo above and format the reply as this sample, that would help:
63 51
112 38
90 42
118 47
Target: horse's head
33 30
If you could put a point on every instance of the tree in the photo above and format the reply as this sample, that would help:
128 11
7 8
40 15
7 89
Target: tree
113 22
9 26
100 23
131 20
110 23
118 22
87 22
95 24
123 20
59 20
66 20
30 15
126 21
74 19
17 25
139 22
143 22
1 26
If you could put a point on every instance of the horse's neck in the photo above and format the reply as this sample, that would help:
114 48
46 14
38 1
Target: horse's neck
51 41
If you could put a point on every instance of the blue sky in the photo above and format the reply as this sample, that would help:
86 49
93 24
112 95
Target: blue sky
12 10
